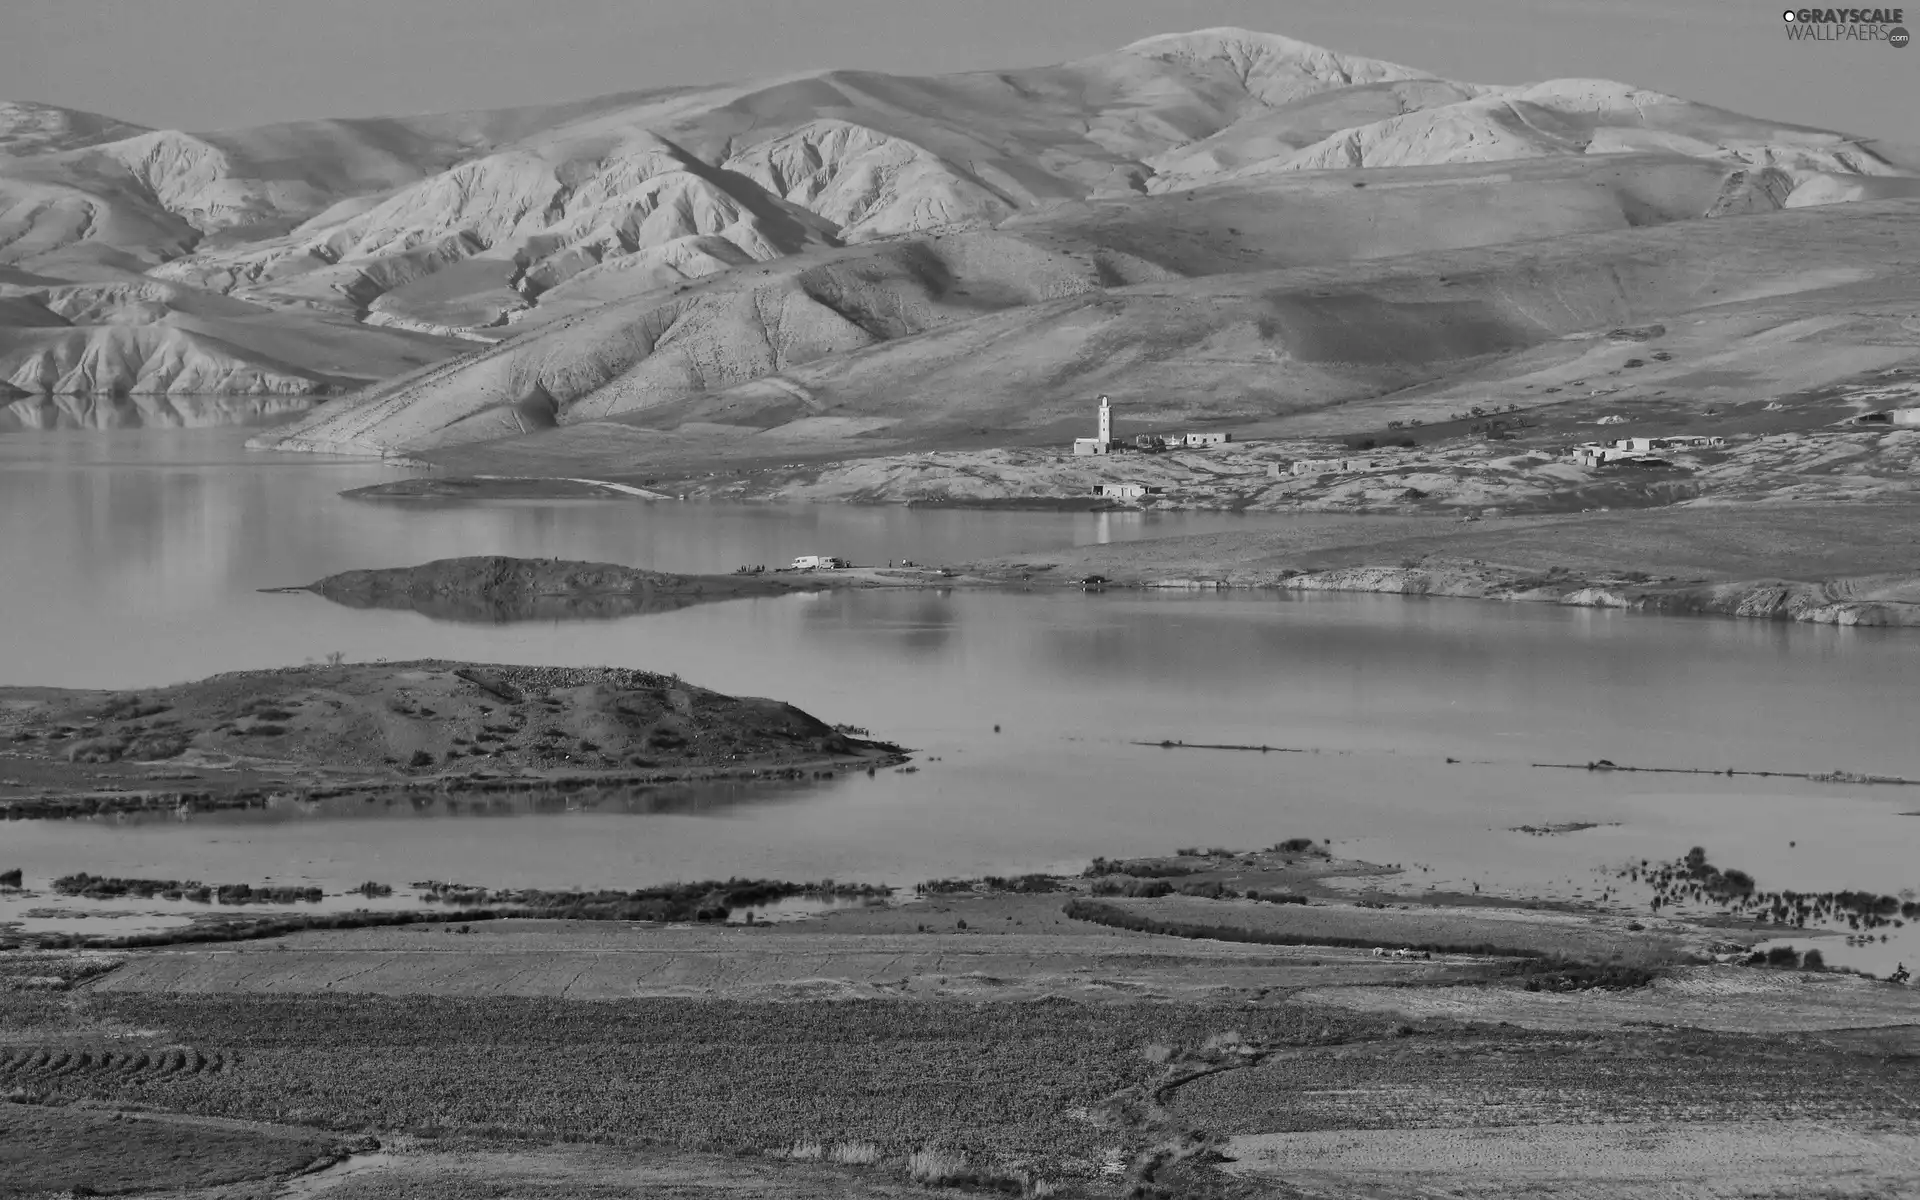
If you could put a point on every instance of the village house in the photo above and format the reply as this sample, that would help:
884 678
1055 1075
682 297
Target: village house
1594 454
1125 491
1322 466
1195 441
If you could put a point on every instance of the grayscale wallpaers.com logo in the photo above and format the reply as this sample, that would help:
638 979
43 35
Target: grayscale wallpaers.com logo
1848 25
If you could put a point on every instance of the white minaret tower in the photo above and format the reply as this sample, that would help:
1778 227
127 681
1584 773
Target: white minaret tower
1106 423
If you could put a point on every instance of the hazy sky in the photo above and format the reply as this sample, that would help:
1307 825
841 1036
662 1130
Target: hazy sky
206 64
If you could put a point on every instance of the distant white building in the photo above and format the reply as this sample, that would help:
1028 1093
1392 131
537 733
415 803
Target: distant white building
1196 441
1102 444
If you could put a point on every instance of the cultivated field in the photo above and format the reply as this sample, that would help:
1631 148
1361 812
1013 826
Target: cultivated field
1002 1036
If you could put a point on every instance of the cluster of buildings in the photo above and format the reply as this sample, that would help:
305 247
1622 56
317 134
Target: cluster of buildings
1104 443
1639 449
1323 466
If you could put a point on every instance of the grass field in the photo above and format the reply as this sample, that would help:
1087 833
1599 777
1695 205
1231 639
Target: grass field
59 1150
1498 1077
1464 930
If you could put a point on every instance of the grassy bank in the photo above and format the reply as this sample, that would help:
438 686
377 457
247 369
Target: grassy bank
1555 971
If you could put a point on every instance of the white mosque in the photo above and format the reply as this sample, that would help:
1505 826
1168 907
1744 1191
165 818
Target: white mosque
1103 443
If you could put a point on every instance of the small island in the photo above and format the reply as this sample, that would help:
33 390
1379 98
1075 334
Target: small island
496 589
338 729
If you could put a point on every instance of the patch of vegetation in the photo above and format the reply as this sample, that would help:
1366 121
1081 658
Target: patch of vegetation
102 887
1136 888
1605 975
1277 897
1299 845
1139 869
97 750
1693 878
1212 889
1023 884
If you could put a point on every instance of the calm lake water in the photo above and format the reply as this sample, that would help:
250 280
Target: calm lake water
132 558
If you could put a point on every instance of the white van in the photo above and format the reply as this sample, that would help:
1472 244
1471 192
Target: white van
813 562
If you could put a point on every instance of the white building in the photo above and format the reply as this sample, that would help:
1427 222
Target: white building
1197 441
1124 491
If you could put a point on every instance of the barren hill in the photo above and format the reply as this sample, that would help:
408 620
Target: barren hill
744 255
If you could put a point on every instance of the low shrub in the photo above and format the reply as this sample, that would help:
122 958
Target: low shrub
938 1168
1144 889
1211 890
1276 897
153 746
1026 884
1140 870
97 750
854 1154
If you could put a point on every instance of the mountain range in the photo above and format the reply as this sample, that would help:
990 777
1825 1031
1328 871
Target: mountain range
1220 224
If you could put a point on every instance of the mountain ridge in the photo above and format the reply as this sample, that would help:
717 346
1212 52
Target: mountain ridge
422 236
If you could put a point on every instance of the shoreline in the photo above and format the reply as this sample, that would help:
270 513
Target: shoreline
501 588
1816 602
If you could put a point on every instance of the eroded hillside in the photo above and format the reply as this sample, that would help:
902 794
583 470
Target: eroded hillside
760 249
